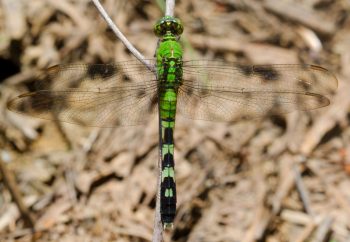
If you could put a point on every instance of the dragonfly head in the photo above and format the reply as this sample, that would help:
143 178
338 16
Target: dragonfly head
168 25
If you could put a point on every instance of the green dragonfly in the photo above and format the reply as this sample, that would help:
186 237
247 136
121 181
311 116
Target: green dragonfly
125 93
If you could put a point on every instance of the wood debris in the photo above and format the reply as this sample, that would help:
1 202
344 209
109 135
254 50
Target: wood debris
282 178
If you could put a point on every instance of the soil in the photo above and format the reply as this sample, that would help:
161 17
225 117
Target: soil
283 178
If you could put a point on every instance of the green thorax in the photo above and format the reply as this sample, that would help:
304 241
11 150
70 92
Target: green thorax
169 60
169 51
169 47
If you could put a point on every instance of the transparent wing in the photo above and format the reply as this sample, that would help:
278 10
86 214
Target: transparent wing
124 93
92 95
219 91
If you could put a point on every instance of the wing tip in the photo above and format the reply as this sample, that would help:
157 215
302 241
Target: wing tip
28 94
53 68
15 102
12 105
322 69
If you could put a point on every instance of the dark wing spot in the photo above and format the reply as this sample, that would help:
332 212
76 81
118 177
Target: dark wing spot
41 102
44 101
38 102
245 69
104 71
266 72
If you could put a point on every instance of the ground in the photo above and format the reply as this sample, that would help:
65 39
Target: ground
282 178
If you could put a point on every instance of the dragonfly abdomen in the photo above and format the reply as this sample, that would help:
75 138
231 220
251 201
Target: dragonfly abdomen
167 112
168 187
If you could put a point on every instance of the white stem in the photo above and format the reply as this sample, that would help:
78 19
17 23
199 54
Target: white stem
169 8
120 35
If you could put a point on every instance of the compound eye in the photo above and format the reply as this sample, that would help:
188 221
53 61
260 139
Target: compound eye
176 27
159 29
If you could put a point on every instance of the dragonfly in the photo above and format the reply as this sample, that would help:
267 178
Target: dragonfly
124 93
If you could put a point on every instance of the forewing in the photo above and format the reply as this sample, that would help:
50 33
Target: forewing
214 90
92 95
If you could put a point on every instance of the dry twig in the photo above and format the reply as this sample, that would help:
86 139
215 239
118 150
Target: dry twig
11 185
304 195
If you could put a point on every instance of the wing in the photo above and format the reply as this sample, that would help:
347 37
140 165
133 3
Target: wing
219 91
92 95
